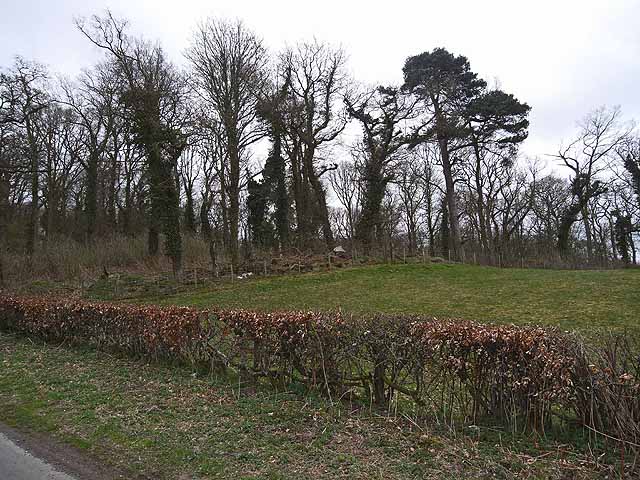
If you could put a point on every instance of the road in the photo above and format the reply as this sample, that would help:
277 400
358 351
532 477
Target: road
16 463
37 456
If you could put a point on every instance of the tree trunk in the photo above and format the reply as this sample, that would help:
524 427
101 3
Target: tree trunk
612 239
112 200
281 195
587 231
51 213
452 204
320 197
303 218
447 170
413 237
482 222
4 214
375 187
92 196
153 240
189 210
125 212
34 218
165 206
234 199
224 209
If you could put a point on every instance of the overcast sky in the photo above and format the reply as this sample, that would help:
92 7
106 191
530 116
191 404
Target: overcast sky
562 57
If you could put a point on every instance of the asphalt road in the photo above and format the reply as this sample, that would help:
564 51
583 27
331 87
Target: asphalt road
30 455
16 463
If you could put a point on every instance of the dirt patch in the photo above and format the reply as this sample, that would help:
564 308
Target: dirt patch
65 458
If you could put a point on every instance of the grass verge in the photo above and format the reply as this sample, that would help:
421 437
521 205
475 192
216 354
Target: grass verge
168 422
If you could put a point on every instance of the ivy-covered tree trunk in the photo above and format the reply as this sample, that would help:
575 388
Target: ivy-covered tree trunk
270 195
125 212
623 236
257 205
323 211
162 148
374 190
153 238
173 237
280 193
633 167
567 221
165 203
320 198
582 189
153 215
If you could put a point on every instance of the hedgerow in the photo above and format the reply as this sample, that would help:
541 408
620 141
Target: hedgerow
456 370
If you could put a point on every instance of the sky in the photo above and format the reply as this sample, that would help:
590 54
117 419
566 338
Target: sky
563 57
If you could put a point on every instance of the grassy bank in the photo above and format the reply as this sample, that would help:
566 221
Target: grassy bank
167 422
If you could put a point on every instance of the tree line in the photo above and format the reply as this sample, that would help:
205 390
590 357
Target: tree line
246 149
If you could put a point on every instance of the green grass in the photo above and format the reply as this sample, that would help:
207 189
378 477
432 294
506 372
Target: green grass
169 422
586 300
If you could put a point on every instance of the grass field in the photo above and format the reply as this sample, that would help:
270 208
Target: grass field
582 300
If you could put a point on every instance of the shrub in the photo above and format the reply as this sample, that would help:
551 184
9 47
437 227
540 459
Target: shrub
607 390
456 370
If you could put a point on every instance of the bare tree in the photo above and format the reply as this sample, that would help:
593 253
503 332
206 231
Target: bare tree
317 82
587 156
412 196
344 182
59 166
497 123
188 170
552 196
26 98
129 158
93 99
229 62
